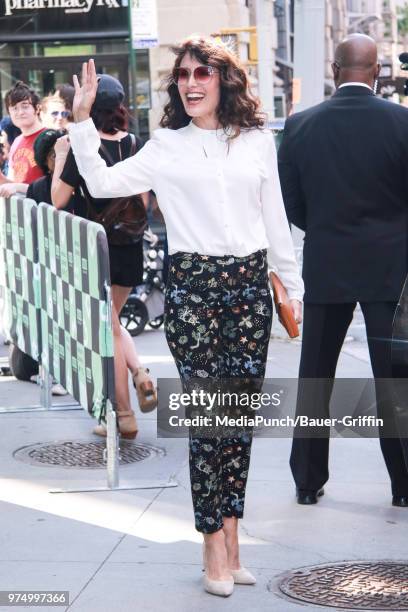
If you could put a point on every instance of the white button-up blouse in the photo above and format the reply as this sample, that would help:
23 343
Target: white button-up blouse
216 199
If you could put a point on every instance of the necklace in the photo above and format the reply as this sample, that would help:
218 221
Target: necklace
217 137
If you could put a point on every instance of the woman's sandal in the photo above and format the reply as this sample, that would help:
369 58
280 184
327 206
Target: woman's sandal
146 393
127 426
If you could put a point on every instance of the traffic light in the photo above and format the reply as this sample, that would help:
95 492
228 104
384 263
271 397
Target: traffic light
253 47
237 37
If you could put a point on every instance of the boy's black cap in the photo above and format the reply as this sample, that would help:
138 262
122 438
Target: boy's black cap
110 93
43 145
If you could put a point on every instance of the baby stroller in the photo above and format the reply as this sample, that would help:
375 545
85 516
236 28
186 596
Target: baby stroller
145 304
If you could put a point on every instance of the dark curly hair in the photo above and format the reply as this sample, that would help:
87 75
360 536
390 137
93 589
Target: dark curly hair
238 108
112 120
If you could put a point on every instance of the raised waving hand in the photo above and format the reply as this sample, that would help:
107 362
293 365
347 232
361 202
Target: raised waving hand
86 92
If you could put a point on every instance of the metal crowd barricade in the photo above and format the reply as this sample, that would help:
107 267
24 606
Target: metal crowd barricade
18 268
54 271
75 325
19 279
75 317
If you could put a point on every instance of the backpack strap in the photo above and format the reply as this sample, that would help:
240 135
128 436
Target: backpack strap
133 147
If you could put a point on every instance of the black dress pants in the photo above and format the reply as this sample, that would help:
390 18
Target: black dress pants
324 329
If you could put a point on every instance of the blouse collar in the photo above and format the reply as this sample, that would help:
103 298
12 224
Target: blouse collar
219 133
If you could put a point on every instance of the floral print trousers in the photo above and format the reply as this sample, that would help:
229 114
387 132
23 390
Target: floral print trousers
218 315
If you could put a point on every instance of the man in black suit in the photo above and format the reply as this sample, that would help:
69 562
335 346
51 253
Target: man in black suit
343 166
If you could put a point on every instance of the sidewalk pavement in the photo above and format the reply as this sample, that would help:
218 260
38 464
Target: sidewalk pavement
137 550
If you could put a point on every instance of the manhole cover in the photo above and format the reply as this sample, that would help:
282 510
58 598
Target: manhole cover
353 586
82 454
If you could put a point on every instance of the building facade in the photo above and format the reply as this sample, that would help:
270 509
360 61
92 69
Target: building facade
176 20
377 18
335 31
44 42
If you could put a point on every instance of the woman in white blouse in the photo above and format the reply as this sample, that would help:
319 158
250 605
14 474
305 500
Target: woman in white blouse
214 171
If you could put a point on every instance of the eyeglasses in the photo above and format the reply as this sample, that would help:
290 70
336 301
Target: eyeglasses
202 74
20 107
62 114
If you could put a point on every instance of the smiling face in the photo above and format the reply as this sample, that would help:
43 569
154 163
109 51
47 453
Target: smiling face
200 99
24 115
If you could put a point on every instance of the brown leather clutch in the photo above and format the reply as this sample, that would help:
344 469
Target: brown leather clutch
283 306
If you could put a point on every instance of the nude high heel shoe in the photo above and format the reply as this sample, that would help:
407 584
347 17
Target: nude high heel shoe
242 576
222 588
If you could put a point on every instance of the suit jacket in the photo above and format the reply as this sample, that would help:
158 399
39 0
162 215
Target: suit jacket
343 166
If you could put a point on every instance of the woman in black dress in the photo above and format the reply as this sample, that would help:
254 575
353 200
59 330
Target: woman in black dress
126 261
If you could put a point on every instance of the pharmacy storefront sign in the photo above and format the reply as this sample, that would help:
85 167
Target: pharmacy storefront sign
68 6
62 19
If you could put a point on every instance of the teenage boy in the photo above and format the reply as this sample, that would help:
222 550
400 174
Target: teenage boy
23 106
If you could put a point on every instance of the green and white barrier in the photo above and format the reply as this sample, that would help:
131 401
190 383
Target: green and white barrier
56 283
76 331
54 273
19 274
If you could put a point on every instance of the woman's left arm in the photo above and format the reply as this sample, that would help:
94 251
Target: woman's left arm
281 253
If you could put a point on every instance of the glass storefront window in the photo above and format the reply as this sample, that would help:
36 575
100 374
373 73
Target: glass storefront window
58 50
44 65
64 48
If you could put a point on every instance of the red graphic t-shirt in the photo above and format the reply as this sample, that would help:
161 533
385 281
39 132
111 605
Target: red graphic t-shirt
23 168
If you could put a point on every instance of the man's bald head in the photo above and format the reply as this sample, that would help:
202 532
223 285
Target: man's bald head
356 60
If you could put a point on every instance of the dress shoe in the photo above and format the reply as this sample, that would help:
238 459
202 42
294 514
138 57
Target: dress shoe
306 497
400 500
242 576
223 588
